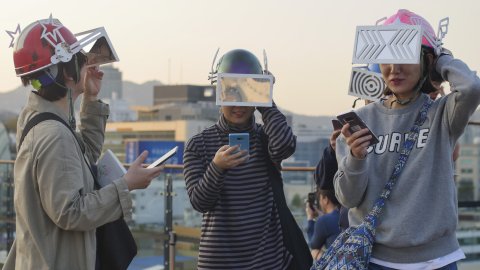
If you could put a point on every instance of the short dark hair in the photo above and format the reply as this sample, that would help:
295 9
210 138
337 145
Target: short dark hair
55 91
330 194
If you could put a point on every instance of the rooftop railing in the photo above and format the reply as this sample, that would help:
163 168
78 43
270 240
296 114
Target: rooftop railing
175 241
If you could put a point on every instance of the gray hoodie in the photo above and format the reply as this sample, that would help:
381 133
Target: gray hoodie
419 220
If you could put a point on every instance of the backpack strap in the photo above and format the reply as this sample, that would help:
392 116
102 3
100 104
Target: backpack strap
43 117
51 116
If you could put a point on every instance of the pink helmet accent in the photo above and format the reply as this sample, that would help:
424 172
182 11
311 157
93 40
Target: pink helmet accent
404 16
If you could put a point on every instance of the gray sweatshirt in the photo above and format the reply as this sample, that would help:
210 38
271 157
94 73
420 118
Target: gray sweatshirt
419 220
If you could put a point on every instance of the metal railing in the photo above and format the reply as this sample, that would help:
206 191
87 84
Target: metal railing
169 236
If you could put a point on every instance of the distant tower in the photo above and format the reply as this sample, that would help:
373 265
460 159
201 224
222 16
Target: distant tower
111 83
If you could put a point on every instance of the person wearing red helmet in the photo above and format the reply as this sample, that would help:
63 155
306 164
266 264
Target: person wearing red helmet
417 227
57 207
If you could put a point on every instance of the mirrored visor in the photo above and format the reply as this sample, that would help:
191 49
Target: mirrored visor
97 47
244 90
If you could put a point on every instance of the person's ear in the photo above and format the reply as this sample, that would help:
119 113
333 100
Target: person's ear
66 76
430 58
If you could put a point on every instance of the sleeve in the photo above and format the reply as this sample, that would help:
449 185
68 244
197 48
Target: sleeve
281 141
351 179
310 229
93 119
326 169
204 184
61 179
465 96
320 234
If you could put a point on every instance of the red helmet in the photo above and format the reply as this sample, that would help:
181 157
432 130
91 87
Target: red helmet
41 45
404 16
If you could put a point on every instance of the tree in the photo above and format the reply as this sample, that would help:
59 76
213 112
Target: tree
297 201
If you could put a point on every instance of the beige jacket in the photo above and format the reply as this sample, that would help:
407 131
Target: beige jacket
57 208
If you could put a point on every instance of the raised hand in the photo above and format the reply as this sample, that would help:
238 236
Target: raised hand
93 82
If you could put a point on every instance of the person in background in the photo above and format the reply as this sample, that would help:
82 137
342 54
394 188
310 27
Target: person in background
322 232
326 169
57 207
404 240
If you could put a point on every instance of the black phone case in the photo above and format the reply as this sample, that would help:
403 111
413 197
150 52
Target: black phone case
337 125
356 124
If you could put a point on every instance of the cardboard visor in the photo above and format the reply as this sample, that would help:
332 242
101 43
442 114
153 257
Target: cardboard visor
97 46
244 90
387 44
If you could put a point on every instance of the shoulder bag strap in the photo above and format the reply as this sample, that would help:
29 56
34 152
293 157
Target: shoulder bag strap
51 116
371 218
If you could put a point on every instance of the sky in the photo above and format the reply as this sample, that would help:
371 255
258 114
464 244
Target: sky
309 43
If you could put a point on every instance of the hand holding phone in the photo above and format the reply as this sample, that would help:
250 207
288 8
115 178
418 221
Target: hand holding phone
163 158
312 201
356 124
229 156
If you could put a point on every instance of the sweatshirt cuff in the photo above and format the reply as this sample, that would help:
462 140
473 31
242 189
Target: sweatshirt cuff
96 107
124 197
355 164
442 61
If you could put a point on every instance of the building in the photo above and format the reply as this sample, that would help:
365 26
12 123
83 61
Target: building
117 133
311 141
468 172
6 193
111 83
178 111
310 151
164 94
119 110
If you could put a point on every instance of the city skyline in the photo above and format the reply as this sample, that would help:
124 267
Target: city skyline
309 43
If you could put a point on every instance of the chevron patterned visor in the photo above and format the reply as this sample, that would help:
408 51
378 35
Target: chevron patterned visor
244 90
387 44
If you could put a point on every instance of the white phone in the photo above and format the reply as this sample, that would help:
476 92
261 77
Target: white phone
163 158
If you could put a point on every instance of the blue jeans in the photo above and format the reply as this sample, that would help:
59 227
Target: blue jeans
372 266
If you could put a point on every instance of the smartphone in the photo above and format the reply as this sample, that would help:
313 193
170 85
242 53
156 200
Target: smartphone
241 139
312 200
163 158
336 124
356 124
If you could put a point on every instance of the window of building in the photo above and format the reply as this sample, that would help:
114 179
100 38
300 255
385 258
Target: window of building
208 92
188 117
466 170
466 161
